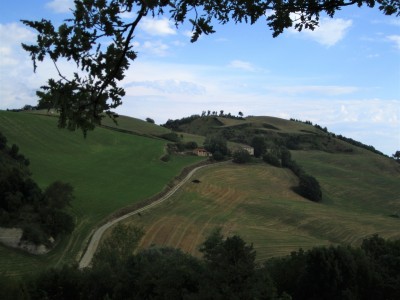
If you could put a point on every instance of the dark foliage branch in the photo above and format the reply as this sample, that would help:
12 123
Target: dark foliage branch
100 43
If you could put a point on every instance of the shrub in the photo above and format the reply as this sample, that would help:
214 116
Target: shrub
191 145
272 159
150 120
218 155
166 158
33 233
309 188
241 156
172 136
180 146
216 143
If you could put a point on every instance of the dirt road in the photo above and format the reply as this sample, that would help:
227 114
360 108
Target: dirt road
96 237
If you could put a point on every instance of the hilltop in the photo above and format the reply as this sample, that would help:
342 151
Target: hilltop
293 134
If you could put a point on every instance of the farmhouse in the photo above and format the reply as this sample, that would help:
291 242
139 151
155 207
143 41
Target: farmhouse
201 152
248 149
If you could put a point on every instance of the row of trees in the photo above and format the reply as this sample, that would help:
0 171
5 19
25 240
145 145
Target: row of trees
308 185
343 138
209 113
227 270
41 214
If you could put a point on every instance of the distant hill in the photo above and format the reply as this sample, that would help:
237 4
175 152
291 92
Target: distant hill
293 134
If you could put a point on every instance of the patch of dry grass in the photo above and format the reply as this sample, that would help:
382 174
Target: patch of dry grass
257 202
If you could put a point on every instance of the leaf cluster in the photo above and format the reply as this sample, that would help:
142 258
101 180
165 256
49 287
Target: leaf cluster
100 42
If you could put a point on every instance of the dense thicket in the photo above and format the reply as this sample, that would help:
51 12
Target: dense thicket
308 185
217 145
23 204
175 124
343 138
227 270
241 156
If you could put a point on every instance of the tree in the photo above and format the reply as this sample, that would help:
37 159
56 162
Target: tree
230 264
286 157
118 247
59 194
191 145
396 156
161 273
3 141
215 144
310 188
100 42
241 156
150 120
259 145
272 159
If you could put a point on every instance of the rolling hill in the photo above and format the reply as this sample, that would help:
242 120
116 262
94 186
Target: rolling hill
361 194
111 169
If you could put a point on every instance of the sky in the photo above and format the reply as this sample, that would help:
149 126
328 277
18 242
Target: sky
345 75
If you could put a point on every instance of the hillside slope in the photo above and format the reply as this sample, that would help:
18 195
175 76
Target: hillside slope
108 170
361 195
257 202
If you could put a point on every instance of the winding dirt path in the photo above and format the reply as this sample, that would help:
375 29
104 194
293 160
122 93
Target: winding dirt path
96 237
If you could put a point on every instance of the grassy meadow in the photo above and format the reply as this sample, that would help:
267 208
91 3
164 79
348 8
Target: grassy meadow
256 201
109 170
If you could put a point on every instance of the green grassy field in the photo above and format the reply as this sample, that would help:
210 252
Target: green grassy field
135 125
256 201
109 170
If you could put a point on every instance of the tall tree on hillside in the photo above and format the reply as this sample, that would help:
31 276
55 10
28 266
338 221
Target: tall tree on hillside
396 156
231 266
259 145
100 42
216 143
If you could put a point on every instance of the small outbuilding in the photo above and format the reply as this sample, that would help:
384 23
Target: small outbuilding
201 152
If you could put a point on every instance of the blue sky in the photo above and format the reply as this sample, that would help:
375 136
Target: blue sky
345 75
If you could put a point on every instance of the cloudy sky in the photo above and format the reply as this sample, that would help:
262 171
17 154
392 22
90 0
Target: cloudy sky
345 75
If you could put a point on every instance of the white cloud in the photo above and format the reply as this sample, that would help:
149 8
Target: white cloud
17 81
376 55
60 6
158 27
395 39
11 52
187 33
170 86
329 90
127 15
157 48
329 32
15 33
395 22
243 65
